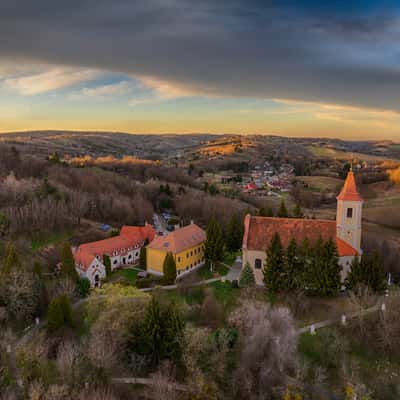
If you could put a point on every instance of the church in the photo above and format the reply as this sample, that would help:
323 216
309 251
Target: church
345 231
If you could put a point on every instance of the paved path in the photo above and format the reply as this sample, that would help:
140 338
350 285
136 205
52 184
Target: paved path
334 321
234 272
176 286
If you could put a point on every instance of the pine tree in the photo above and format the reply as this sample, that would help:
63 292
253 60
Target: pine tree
83 287
214 245
160 336
331 270
375 276
275 265
297 212
107 264
68 263
59 313
11 259
355 275
314 266
234 234
265 212
292 270
283 213
247 278
368 271
143 258
304 264
169 269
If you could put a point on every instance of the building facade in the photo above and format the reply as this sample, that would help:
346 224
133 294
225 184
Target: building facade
187 246
123 249
345 231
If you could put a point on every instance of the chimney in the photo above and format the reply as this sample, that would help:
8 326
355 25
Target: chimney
145 223
191 222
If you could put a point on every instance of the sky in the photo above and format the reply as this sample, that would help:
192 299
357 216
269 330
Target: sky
285 67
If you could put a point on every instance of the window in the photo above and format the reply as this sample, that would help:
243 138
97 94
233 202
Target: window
179 259
191 253
115 261
187 255
349 213
257 263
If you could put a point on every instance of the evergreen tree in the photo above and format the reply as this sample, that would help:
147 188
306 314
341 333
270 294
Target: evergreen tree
214 245
234 234
283 212
355 275
331 270
37 269
265 212
11 259
247 278
275 265
304 263
292 267
143 258
169 269
368 271
83 287
160 336
297 212
107 264
68 263
323 274
59 313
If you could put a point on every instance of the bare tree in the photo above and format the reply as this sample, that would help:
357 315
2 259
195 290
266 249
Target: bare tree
268 349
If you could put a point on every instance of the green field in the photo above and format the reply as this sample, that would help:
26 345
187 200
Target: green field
327 152
44 240
125 275
321 183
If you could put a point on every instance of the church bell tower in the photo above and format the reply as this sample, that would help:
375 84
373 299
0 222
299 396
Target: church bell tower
348 216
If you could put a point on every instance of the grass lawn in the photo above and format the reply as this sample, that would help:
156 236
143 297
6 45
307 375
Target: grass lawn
42 240
229 258
126 275
225 293
321 183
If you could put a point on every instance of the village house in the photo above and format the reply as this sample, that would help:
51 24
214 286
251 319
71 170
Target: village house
345 231
187 246
123 249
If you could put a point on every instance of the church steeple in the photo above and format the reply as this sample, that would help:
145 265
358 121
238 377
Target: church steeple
349 191
349 210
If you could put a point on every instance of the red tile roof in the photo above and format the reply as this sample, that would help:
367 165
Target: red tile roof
259 231
179 240
349 191
129 238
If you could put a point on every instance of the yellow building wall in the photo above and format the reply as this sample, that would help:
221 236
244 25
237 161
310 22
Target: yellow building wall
155 260
185 260
189 258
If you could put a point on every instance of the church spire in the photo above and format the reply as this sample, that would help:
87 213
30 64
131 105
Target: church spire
349 191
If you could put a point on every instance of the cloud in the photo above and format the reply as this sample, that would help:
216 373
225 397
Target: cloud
110 90
237 48
52 79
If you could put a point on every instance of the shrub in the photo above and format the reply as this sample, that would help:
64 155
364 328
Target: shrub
247 278
83 287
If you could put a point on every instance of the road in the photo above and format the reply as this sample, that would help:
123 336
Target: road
159 223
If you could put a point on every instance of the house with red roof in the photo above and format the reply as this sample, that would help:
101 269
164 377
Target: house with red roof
186 244
345 231
123 249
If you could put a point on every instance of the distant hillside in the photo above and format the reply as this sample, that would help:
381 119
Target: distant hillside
75 143
161 146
